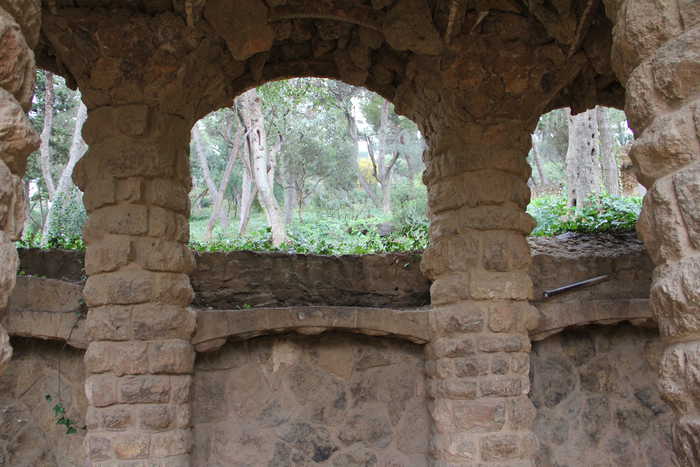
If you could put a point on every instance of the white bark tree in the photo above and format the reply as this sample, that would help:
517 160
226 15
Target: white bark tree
264 162
75 153
608 161
582 161
218 209
383 155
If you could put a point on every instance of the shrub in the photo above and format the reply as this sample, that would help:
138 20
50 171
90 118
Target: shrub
603 213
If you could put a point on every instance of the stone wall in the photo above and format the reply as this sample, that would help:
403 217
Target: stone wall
20 21
335 399
348 400
29 434
597 400
237 279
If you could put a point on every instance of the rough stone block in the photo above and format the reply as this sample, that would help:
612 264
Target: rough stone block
461 318
171 443
115 418
131 445
109 323
500 285
121 219
456 447
107 253
168 194
101 390
154 321
181 389
17 136
675 297
171 356
157 417
144 389
119 358
503 386
478 416
99 447
687 187
450 347
500 447
504 343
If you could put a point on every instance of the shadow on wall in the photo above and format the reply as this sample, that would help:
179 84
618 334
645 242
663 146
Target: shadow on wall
334 399
597 402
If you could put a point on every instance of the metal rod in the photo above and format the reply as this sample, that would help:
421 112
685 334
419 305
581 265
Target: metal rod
575 285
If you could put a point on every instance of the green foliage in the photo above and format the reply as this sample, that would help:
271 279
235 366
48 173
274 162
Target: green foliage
59 413
69 217
603 213
410 203
324 235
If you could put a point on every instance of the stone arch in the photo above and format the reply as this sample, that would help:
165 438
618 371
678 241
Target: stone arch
475 80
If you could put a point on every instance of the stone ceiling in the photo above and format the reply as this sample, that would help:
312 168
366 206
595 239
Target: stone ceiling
501 58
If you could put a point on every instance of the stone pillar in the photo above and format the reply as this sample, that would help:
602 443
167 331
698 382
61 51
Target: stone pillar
19 31
656 52
478 360
135 179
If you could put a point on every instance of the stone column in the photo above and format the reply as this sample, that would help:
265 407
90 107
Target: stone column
478 360
19 31
656 52
135 179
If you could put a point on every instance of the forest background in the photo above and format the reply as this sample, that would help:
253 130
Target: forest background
319 166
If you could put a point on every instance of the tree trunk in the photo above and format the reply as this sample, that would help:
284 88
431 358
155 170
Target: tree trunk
202 158
45 148
290 200
217 210
248 193
75 153
204 164
251 111
608 161
354 134
537 161
581 159
386 196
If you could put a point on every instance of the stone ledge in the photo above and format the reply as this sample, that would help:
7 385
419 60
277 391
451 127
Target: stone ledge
215 326
47 325
52 309
557 316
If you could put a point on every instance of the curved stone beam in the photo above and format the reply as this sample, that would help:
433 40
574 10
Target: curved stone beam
363 16
215 326
65 327
557 316
47 309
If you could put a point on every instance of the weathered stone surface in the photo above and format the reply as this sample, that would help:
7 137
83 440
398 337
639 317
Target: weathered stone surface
5 349
17 60
295 409
30 435
17 137
605 413
408 26
230 280
243 26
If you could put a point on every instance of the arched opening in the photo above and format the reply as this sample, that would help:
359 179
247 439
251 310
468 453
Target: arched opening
582 177
343 173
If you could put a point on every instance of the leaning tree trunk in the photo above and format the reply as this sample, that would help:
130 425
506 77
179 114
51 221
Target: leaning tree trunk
45 148
248 194
204 165
354 134
538 162
251 111
608 161
77 149
217 210
581 159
